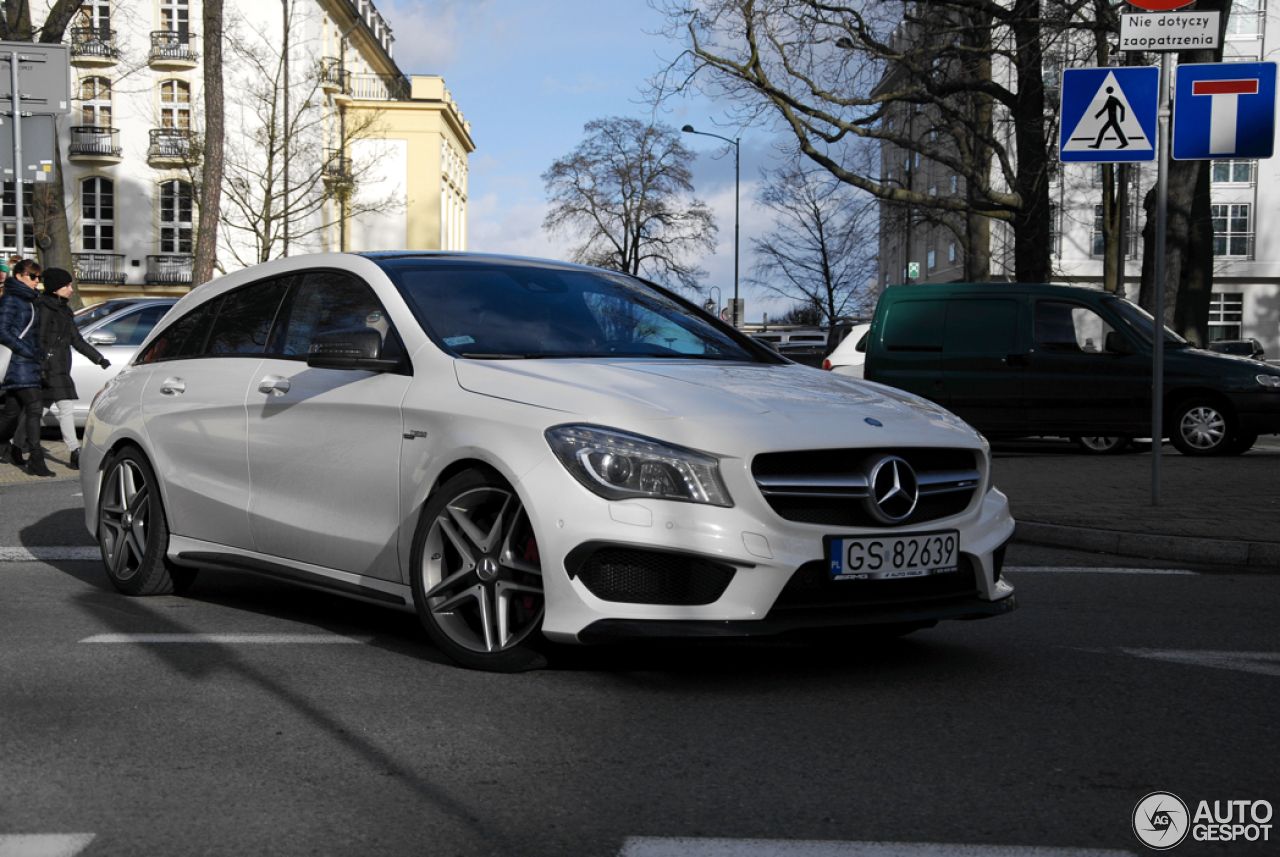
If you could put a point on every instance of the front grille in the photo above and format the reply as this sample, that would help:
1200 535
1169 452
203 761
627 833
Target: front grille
829 487
811 586
652 577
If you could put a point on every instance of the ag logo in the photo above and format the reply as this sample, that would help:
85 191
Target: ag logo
1161 820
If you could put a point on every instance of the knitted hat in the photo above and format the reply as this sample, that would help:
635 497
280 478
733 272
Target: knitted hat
56 278
4 267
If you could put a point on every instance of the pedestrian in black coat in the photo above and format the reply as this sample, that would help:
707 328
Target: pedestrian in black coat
20 331
58 335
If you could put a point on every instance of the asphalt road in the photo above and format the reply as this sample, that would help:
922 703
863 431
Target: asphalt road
304 724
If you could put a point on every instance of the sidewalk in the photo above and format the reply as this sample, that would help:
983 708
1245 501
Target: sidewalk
55 456
1221 511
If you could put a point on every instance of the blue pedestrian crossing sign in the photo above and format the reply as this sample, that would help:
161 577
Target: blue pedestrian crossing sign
1108 115
1224 110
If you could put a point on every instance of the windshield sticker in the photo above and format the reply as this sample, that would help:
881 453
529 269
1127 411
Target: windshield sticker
458 340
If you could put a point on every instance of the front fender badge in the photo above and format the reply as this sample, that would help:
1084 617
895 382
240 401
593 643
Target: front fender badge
869 421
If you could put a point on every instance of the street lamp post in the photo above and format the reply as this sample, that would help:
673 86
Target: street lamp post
737 193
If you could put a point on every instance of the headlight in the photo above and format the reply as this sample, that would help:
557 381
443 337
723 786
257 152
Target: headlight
1272 381
621 466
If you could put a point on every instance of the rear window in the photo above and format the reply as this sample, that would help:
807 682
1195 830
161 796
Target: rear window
915 326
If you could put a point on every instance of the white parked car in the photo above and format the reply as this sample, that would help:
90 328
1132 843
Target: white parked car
851 354
518 449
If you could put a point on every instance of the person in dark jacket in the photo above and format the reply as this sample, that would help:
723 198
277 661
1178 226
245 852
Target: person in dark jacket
20 331
58 335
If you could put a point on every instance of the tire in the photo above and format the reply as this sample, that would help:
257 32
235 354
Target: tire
1200 427
477 580
133 532
1240 444
1102 445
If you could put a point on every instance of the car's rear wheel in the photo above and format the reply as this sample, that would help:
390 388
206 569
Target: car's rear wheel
1102 445
1201 427
477 578
1240 444
133 531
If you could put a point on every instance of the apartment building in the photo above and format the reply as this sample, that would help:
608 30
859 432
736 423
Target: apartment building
1245 206
320 122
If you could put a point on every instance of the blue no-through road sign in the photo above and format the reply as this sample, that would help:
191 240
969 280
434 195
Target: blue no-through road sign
1109 115
1224 110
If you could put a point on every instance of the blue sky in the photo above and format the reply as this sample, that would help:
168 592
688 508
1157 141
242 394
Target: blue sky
528 74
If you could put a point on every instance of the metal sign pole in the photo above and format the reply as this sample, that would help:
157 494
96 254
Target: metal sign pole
1163 121
17 144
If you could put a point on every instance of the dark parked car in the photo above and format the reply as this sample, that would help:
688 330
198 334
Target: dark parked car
1251 348
1018 360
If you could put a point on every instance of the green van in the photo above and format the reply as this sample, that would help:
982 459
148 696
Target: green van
1019 360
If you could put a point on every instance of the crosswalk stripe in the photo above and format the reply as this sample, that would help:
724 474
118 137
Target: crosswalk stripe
1261 663
1053 569
227 639
657 846
43 844
49 553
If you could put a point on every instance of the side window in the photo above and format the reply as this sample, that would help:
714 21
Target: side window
981 326
132 328
915 326
332 302
1068 328
176 340
245 318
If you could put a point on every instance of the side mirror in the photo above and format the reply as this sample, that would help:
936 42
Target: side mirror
101 337
350 349
1115 343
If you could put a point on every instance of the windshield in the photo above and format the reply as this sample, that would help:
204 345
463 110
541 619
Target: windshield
493 311
1142 322
97 311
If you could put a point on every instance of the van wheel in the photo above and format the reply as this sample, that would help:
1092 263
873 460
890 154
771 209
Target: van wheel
1201 428
133 531
1096 445
477 577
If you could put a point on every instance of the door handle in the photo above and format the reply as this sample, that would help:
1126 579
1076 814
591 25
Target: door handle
274 384
173 386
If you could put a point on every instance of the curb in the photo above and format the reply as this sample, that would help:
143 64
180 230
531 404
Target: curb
1257 556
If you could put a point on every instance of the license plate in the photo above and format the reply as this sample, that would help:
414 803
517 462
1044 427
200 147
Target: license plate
881 558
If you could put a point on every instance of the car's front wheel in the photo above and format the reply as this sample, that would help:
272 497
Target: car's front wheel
1201 427
133 531
1102 445
477 578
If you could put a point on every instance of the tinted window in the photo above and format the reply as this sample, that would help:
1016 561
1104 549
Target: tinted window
102 310
133 327
331 302
981 326
245 317
1067 328
184 338
915 326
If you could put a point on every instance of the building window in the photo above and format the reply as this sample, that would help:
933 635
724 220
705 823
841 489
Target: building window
955 183
1226 315
175 104
95 15
1234 172
175 217
9 218
175 16
951 252
1232 230
95 102
98 214
1099 240
933 190
1247 18
932 259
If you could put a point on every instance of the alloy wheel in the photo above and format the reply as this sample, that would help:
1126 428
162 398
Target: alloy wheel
124 519
481 573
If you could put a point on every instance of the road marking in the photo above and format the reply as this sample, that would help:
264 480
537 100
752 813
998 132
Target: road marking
43 844
226 639
657 846
1261 663
1053 569
48 554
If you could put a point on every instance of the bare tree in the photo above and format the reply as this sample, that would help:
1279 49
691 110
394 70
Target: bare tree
214 138
627 193
822 249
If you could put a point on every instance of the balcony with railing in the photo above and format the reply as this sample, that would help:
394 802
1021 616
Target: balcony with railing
334 79
169 270
93 144
93 47
171 51
170 147
379 87
336 170
100 268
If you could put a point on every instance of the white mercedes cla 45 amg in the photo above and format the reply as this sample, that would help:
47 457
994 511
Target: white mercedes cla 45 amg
518 450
